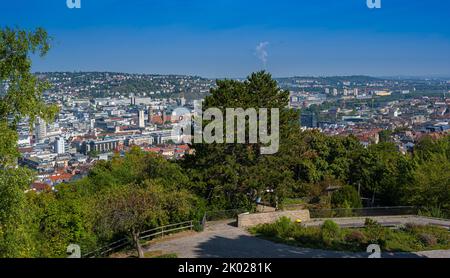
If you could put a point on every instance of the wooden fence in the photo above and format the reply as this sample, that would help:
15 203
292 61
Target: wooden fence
146 235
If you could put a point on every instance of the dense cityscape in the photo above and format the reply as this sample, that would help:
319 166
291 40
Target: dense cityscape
101 115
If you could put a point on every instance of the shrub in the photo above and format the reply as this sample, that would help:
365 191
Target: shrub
441 235
355 237
375 233
411 227
330 232
346 197
330 226
285 227
428 239
309 236
268 230
435 212
371 223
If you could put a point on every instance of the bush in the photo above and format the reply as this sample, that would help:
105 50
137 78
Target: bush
356 237
425 234
435 212
330 232
308 237
371 223
285 227
330 226
411 227
428 239
375 233
346 197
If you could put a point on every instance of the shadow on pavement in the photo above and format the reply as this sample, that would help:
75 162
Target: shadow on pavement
251 247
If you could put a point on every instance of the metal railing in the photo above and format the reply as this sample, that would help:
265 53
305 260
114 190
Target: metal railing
223 214
363 212
146 235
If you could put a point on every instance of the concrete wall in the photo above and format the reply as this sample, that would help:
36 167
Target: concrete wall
250 220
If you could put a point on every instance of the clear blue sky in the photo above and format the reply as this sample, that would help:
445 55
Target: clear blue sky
219 38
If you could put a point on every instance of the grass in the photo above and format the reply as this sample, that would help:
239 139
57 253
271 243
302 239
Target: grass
160 255
330 236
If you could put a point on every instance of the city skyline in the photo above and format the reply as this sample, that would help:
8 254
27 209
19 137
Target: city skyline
219 39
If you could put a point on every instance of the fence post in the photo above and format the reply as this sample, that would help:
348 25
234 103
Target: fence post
162 232
204 221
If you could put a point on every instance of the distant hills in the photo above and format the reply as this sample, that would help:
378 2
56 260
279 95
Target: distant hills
109 84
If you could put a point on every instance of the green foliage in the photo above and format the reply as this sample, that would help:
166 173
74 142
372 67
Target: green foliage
375 233
15 220
136 167
167 256
234 175
432 183
62 219
385 136
346 197
132 209
23 98
330 232
357 239
436 212
412 238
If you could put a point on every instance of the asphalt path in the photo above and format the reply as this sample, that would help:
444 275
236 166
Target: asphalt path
223 240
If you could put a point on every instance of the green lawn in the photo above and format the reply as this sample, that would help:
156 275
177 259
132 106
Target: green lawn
330 236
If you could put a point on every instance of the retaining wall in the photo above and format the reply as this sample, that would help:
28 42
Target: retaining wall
250 220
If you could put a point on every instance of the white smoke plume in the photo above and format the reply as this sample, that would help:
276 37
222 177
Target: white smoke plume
261 52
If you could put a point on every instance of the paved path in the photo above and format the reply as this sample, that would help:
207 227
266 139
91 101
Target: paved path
222 240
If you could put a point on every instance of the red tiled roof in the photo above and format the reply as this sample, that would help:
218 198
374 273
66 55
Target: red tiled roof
39 186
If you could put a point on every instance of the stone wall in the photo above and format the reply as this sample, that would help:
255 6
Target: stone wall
249 220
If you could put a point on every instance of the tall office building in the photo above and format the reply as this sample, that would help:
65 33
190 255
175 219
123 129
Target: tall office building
92 123
41 130
308 120
150 115
163 116
60 145
132 99
181 101
141 119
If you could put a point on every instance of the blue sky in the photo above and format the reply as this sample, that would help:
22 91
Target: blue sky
218 38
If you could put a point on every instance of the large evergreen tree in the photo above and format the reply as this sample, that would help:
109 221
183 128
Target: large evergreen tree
234 175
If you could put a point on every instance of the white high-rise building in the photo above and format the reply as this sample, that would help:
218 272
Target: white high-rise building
60 145
41 130
182 101
141 119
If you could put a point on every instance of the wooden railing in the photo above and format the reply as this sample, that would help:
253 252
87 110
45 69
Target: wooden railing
146 235
168 229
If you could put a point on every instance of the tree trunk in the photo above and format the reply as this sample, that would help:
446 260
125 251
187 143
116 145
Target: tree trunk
137 244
